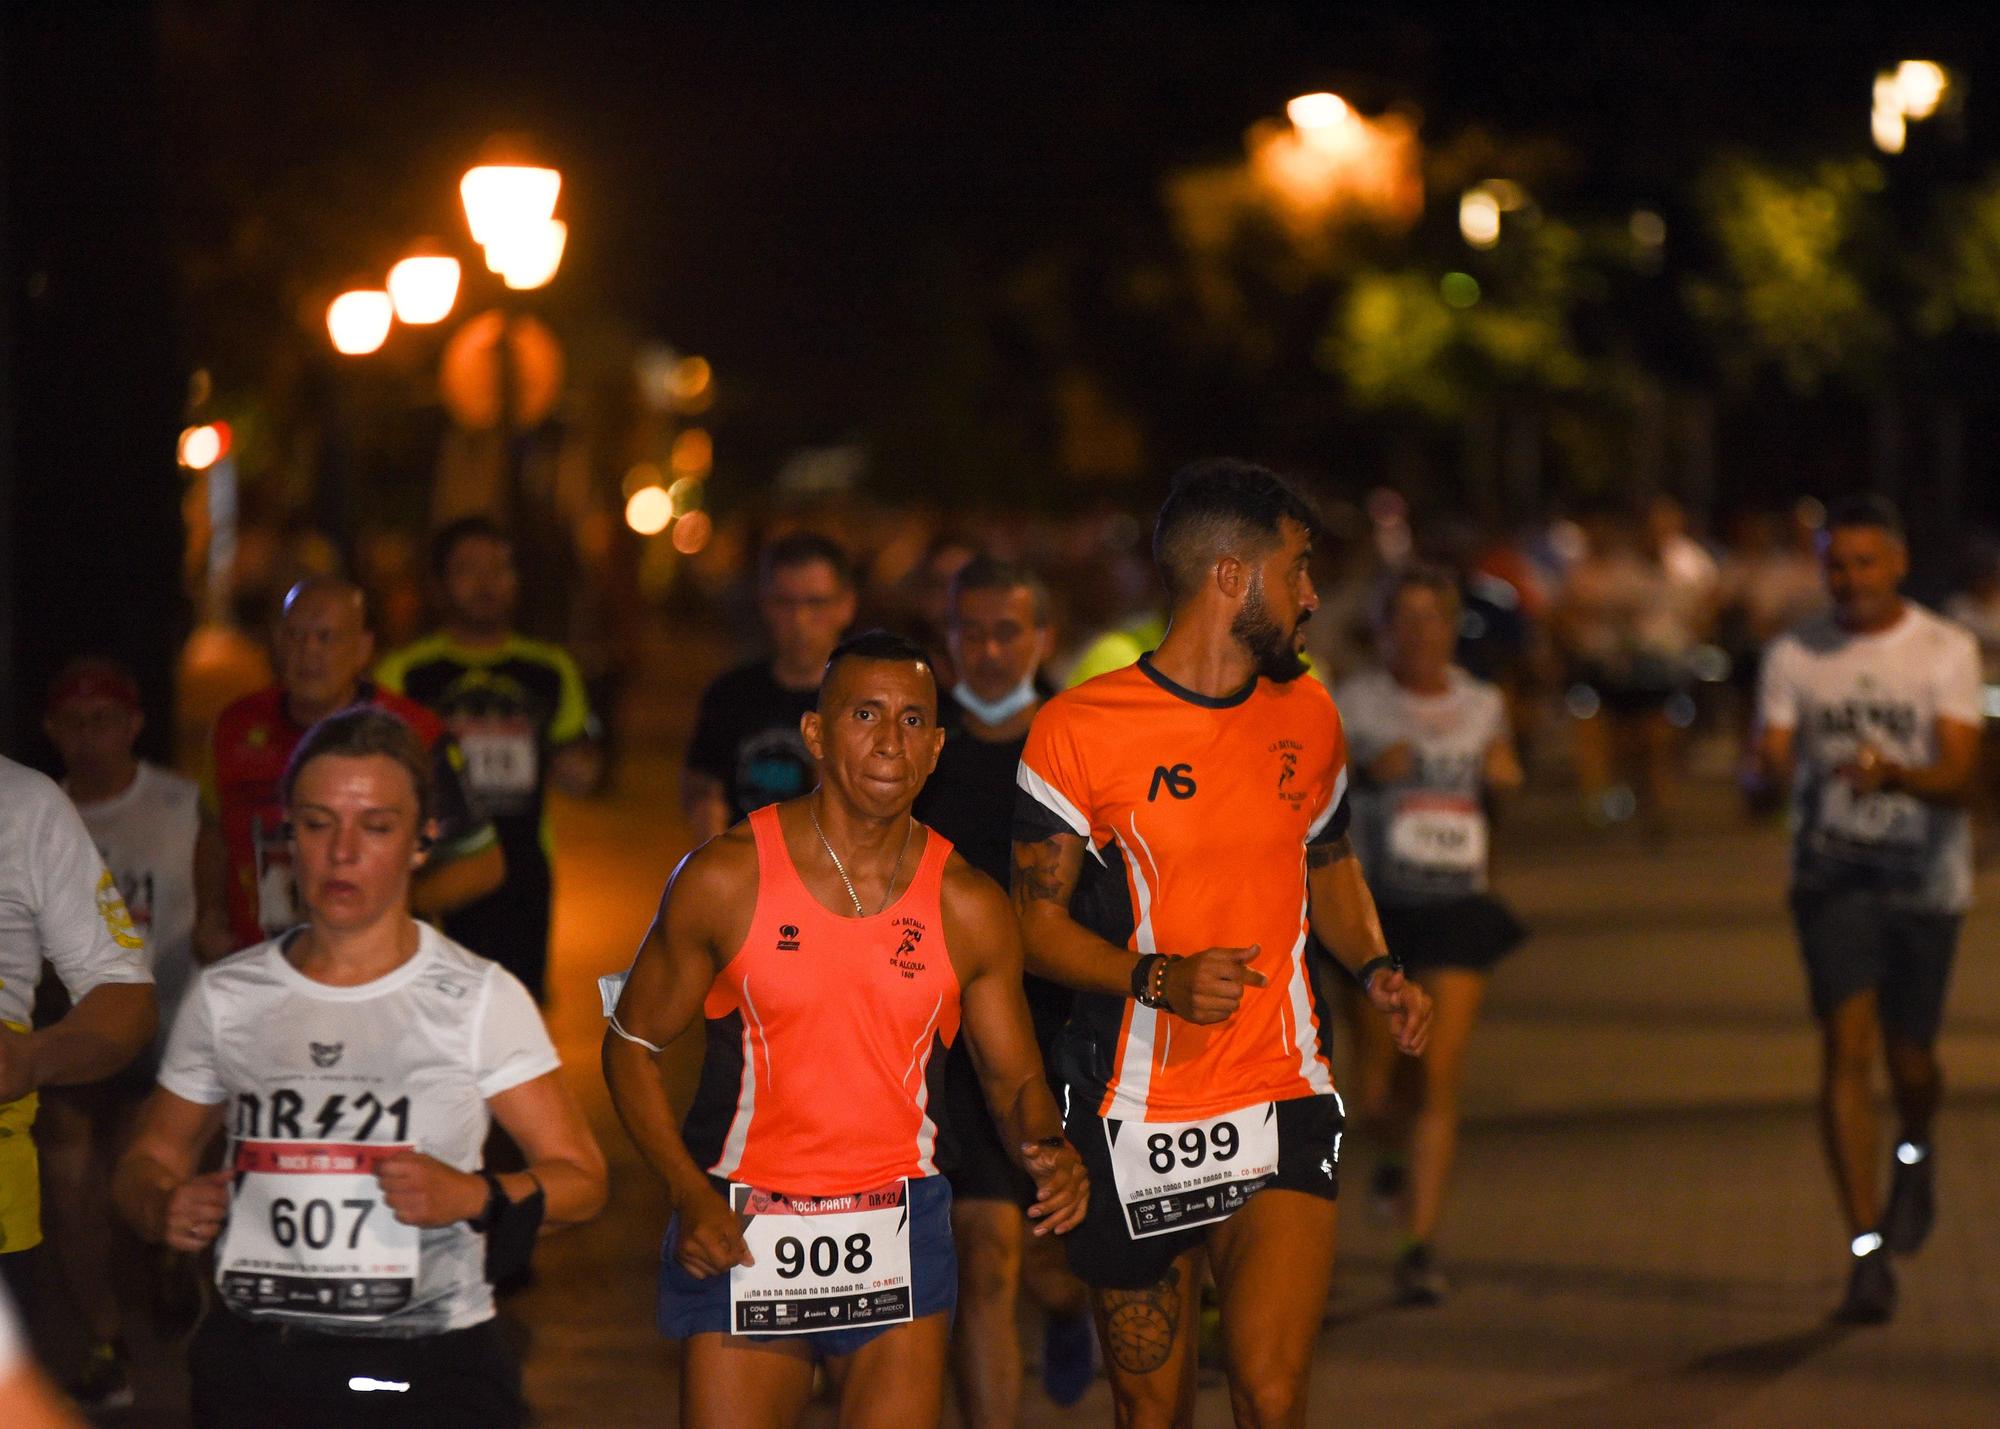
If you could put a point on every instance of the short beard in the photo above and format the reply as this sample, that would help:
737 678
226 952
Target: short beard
1271 648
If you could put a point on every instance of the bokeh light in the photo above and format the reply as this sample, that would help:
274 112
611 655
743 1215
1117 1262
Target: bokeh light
648 510
358 322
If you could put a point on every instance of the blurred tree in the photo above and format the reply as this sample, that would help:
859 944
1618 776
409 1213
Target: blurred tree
1790 291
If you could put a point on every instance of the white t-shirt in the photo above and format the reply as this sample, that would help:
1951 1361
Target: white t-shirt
58 902
1424 838
1837 691
146 834
409 1059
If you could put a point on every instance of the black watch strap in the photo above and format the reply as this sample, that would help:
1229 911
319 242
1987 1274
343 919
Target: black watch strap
496 1201
1387 962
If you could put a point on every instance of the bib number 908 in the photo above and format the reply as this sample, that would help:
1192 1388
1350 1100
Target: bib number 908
316 1223
1194 1146
824 1256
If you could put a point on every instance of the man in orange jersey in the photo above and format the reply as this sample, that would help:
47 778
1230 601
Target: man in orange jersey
835 945
1181 828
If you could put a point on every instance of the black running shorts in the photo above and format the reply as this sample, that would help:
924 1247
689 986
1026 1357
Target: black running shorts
1856 939
1103 1250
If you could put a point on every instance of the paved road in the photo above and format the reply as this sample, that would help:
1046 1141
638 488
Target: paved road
1641 1230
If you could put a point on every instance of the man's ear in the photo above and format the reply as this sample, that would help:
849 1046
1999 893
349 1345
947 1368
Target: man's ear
813 733
1231 576
426 838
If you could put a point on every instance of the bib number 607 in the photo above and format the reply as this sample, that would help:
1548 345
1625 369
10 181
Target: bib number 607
315 1222
1194 1147
824 1256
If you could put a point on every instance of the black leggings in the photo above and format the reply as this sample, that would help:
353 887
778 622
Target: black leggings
282 1376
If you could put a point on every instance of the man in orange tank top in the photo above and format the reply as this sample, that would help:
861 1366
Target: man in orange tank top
835 947
1181 828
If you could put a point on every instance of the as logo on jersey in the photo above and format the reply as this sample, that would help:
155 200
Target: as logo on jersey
1177 780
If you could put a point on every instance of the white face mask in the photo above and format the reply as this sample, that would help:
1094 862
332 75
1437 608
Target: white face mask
996 712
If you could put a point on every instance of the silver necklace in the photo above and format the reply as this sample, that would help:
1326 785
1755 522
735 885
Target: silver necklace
841 868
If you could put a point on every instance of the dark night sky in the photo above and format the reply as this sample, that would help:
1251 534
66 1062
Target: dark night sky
757 185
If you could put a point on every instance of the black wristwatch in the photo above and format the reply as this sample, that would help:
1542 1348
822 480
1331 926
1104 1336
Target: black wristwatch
1387 962
496 1202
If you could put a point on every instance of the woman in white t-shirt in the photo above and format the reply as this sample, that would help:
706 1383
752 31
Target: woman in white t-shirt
357 1063
1428 743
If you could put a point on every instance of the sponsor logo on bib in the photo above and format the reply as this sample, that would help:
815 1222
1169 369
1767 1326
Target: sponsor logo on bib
325 1054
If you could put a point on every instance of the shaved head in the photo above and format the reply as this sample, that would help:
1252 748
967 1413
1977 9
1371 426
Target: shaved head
334 590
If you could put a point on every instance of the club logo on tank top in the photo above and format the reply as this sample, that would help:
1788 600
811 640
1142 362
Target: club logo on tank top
906 959
788 937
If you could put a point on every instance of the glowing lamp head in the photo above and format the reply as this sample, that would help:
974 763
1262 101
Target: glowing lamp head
1479 217
501 199
1311 112
1920 87
648 510
358 322
423 288
529 258
202 447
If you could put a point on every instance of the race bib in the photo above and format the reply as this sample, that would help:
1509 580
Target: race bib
309 1234
1438 834
1886 830
502 762
1172 1175
823 1263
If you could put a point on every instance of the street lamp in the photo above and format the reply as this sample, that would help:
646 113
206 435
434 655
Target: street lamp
529 256
358 321
1911 92
503 199
423 288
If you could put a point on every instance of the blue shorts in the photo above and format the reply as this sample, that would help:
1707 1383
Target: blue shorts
690 1306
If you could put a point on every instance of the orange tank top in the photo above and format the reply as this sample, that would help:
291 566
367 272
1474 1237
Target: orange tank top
822 1030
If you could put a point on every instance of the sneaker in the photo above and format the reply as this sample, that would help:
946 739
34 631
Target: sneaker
1069 1357
1871 1286
1385 1189
1912 1200
105 1383
1417 1281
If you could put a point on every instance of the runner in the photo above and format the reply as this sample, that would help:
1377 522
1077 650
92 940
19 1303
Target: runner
517 709
358 1062
997 624
746 750
243 873
59 908
832 944
1430 743
1192 810
1872 714
143 820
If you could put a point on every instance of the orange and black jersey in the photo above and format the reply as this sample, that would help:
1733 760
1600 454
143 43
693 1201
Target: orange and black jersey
1197 812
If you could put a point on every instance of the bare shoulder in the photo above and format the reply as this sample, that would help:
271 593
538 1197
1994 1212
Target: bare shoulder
719 874
968 893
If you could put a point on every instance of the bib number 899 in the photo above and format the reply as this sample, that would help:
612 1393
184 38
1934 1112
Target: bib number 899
1196 1146
824 1256
315 1223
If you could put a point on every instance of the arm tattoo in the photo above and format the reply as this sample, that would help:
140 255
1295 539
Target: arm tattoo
1140 1325
1326 855
1038 873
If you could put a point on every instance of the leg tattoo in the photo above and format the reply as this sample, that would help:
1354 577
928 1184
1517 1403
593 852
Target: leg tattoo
1140 1325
